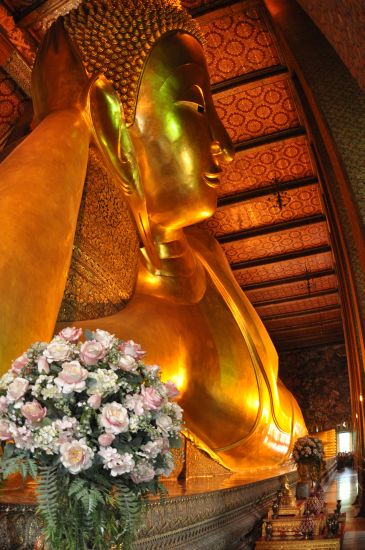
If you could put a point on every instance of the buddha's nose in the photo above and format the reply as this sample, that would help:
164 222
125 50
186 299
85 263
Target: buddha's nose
222 151
221 147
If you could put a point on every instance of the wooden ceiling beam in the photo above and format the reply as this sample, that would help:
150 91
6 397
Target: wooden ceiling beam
294 255
296 298
273 228
269 139
218 4
305 326
248 78
267 190
301 313
289 280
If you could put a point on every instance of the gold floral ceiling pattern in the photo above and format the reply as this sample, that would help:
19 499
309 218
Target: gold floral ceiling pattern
270 218
259 167
262 109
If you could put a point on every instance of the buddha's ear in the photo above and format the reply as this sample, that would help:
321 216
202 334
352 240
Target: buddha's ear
106 119
110 133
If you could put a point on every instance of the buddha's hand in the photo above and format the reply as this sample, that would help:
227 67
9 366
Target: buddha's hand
59 79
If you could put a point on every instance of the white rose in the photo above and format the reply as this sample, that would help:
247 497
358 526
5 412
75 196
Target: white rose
127 363
164 423
114 418
143 473
76 456
17 389
72 377
58 350
104 338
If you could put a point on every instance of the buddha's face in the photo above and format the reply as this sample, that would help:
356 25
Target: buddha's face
179 140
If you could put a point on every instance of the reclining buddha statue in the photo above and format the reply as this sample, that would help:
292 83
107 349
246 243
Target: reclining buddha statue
131 77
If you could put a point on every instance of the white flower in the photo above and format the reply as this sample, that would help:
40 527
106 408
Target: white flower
143 472
72 377
164 423
114 418
6 379
76 456
57 350
17 389
135 403
127 363
118 464
152 448
46 438
104 338
23 438
102 381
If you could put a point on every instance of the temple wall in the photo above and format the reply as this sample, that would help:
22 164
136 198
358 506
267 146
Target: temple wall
343 24
322 389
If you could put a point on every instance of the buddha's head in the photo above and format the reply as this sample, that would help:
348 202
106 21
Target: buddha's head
151 50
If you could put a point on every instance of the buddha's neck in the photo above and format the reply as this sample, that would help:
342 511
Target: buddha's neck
179 267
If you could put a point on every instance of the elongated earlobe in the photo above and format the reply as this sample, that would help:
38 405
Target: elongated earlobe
104 113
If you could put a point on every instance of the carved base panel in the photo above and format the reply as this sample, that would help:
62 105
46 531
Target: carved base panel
219 519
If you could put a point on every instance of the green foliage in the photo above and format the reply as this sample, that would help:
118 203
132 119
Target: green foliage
19 463
86 511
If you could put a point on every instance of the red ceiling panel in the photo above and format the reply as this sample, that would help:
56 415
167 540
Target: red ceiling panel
266 211
261 109
315 302
280 242
238 42
287 268
258 167
11 104
290 290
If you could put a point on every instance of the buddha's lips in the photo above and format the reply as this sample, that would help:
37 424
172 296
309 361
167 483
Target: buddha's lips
212 180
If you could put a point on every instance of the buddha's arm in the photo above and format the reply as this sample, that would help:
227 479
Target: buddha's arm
41 185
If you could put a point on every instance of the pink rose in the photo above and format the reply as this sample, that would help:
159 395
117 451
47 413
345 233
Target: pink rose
17 389
4 404
133 349
151 399
114 418
91 352
106 439
71 334
94 401
5 432
72 377
76 456
171 389
43 365
33 411
19 363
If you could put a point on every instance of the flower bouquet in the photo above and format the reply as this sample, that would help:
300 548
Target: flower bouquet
308 455
94 425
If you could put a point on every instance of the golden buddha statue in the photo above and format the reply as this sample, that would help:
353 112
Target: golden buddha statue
166 154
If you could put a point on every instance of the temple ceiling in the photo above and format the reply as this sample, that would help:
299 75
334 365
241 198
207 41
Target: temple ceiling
270 220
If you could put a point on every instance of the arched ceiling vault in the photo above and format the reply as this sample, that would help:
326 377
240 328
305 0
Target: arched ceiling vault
270 219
